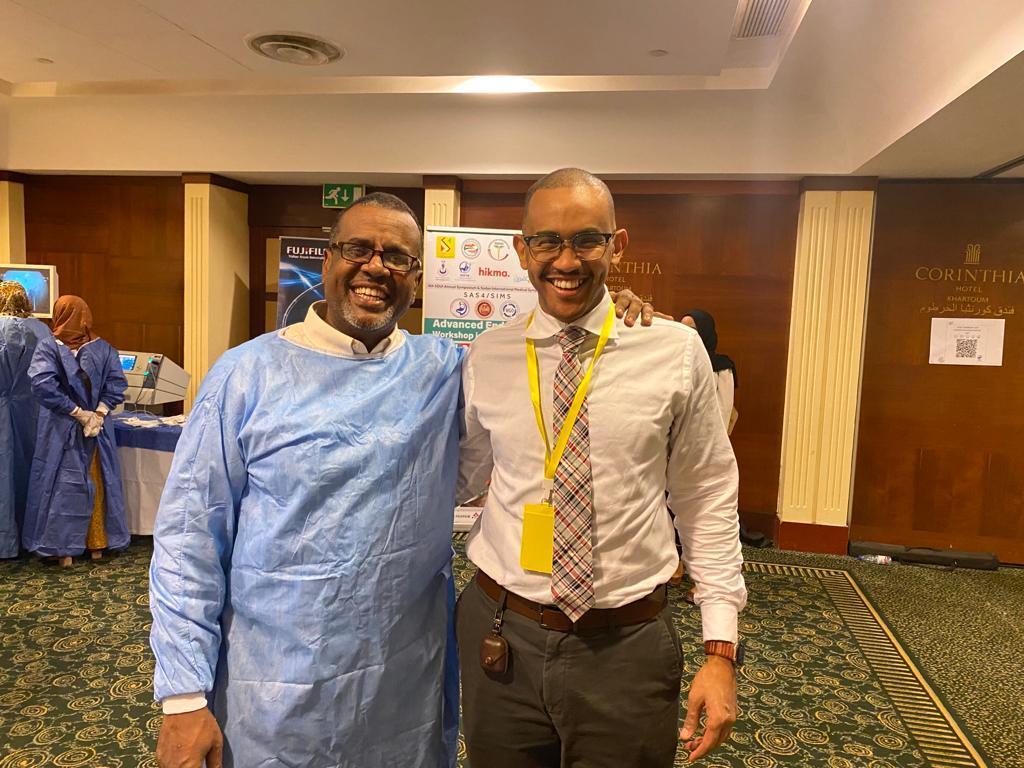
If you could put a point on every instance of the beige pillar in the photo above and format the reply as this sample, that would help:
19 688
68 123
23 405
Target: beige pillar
441 199
12 223
826 343
216 273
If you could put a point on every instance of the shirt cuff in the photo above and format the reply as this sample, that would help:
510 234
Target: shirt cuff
183 702
719 622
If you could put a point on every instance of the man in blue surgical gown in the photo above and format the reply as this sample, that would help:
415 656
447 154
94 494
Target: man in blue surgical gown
301 583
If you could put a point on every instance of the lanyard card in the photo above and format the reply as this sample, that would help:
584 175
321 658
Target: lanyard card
538 537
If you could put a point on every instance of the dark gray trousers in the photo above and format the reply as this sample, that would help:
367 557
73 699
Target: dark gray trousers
602 699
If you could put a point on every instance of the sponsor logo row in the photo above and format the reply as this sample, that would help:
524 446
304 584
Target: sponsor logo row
471 248
485 309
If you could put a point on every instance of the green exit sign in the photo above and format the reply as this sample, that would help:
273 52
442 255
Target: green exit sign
341 195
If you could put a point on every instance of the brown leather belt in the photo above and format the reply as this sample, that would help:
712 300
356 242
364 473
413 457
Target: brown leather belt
550 617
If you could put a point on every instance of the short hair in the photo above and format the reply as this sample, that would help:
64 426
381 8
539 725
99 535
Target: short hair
377 200
565 178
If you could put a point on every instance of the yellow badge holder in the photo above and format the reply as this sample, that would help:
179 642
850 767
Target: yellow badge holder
536 551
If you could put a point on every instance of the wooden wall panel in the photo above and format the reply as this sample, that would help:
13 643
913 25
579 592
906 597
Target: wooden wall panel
118 242
723 247
940 456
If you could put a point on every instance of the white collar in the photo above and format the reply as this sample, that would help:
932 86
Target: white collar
317 334
544 326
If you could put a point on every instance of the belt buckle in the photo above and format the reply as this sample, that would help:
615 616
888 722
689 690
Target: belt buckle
545 625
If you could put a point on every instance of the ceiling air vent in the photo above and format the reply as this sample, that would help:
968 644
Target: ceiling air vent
295 48
760 18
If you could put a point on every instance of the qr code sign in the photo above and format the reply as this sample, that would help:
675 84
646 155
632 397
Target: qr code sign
966 348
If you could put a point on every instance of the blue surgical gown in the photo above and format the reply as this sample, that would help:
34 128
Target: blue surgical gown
61 493
301 572
18 410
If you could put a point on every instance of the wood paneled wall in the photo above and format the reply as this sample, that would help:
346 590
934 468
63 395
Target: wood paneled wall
291 211
724 247
118 242
940 455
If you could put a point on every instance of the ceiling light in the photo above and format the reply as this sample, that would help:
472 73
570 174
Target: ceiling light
295 48
657 52
497 84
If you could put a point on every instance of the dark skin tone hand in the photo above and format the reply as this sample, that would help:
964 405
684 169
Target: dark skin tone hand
629 306
713 692
188 739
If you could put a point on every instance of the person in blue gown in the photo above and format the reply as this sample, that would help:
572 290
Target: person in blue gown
76 499
301 576
19 335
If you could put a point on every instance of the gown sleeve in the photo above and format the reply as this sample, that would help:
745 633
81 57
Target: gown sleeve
44 375
114 382
193 541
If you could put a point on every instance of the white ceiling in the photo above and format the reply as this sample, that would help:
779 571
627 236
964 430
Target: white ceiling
879 87
197 39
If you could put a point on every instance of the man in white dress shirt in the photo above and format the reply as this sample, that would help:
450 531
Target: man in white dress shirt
581 425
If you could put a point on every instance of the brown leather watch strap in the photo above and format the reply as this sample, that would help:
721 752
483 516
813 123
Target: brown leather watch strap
721 648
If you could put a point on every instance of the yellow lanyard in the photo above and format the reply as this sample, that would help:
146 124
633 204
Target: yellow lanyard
552 459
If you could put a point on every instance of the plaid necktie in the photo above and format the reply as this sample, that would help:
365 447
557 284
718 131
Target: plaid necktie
572 573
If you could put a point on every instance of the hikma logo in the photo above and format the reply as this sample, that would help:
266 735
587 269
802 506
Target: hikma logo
488 272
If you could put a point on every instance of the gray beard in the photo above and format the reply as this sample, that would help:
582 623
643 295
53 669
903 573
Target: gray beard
351 317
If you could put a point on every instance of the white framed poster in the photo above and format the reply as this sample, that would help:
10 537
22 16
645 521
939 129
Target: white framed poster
472 281
966 341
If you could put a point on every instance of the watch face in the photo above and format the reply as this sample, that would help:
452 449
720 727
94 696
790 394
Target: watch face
741 652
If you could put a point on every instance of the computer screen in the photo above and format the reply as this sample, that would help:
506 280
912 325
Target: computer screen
128 362
39 281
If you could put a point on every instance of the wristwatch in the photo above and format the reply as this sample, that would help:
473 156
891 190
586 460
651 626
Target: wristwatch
731 651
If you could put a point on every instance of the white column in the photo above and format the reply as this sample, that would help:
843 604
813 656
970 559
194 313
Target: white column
830 286
216 276
12 223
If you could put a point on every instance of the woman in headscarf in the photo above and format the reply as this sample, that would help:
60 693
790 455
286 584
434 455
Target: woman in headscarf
75 497
19 335
725 368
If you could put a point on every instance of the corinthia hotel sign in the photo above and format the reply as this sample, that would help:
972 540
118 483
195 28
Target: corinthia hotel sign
968 296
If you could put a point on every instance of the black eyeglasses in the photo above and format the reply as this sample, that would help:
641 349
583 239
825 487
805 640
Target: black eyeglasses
358 253
588 246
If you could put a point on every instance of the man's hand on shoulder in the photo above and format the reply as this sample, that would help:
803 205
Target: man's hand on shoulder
189 738
630 306
713 691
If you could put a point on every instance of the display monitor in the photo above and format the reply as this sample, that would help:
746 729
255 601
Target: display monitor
128 362
40 283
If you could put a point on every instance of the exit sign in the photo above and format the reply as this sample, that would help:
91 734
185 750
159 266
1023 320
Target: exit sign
341 195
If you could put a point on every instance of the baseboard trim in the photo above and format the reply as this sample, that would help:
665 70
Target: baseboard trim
808 537
761 522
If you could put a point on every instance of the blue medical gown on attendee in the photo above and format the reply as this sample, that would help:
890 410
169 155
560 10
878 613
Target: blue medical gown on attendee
18 410
302 556
61 493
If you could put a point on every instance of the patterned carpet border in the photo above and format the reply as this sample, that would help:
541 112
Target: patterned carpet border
941 739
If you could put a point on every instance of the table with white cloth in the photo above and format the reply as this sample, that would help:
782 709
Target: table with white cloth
146 454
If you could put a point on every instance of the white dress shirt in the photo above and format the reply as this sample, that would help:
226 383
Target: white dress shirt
655 426
316 334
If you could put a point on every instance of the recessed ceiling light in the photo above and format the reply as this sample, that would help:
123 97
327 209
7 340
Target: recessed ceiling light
657 52
44 60
497 84
295 48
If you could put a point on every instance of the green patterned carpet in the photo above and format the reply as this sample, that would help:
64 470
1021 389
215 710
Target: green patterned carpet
825 684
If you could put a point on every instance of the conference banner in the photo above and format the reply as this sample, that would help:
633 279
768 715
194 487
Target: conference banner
472 282
299 279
